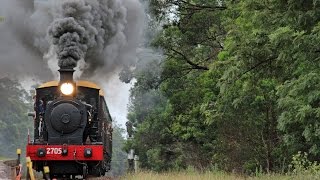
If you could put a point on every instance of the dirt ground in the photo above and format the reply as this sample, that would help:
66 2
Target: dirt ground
4 171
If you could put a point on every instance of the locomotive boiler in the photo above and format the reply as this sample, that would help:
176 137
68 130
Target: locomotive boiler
72 128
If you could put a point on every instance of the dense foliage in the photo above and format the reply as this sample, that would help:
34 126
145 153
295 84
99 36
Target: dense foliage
14 122
238 88
119 156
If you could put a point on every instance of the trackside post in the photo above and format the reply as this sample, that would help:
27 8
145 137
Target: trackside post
18 165
30 175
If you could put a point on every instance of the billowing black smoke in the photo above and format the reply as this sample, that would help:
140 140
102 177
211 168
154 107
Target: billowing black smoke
74 33
87 30
98 36
70 40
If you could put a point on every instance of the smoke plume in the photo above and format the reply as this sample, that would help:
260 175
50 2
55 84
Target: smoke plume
96 32
98 36
102 36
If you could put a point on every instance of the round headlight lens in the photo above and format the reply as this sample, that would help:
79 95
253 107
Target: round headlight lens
67 89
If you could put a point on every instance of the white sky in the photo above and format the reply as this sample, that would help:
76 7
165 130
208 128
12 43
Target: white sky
117 97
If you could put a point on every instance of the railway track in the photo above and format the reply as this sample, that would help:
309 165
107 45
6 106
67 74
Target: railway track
6 172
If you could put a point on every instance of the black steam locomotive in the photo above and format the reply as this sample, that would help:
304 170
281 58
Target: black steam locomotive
72 129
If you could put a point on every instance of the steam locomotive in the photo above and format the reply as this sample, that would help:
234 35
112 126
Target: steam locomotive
72 129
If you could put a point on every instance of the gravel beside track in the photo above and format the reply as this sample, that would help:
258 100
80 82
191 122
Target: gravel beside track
4 174
103 178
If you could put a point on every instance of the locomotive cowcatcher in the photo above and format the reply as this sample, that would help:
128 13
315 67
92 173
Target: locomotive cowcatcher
72 129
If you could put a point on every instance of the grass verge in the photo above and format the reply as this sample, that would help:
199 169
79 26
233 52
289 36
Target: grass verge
181 176
3 158
214 176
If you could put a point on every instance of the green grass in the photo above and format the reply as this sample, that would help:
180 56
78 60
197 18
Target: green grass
181 176
214 176
3 158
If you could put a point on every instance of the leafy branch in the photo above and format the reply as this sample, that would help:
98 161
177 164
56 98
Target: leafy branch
194 65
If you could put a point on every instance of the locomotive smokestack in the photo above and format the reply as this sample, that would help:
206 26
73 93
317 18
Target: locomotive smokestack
67 85
66 75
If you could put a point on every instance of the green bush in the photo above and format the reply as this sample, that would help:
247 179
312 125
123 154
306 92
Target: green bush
300 164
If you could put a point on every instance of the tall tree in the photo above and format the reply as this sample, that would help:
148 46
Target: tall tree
14 123
238 86
119 156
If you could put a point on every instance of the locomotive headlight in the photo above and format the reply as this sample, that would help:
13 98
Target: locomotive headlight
67 89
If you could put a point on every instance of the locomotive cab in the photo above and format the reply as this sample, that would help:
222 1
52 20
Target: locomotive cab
72 129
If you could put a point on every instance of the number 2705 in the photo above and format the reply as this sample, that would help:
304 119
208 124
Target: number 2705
54 150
